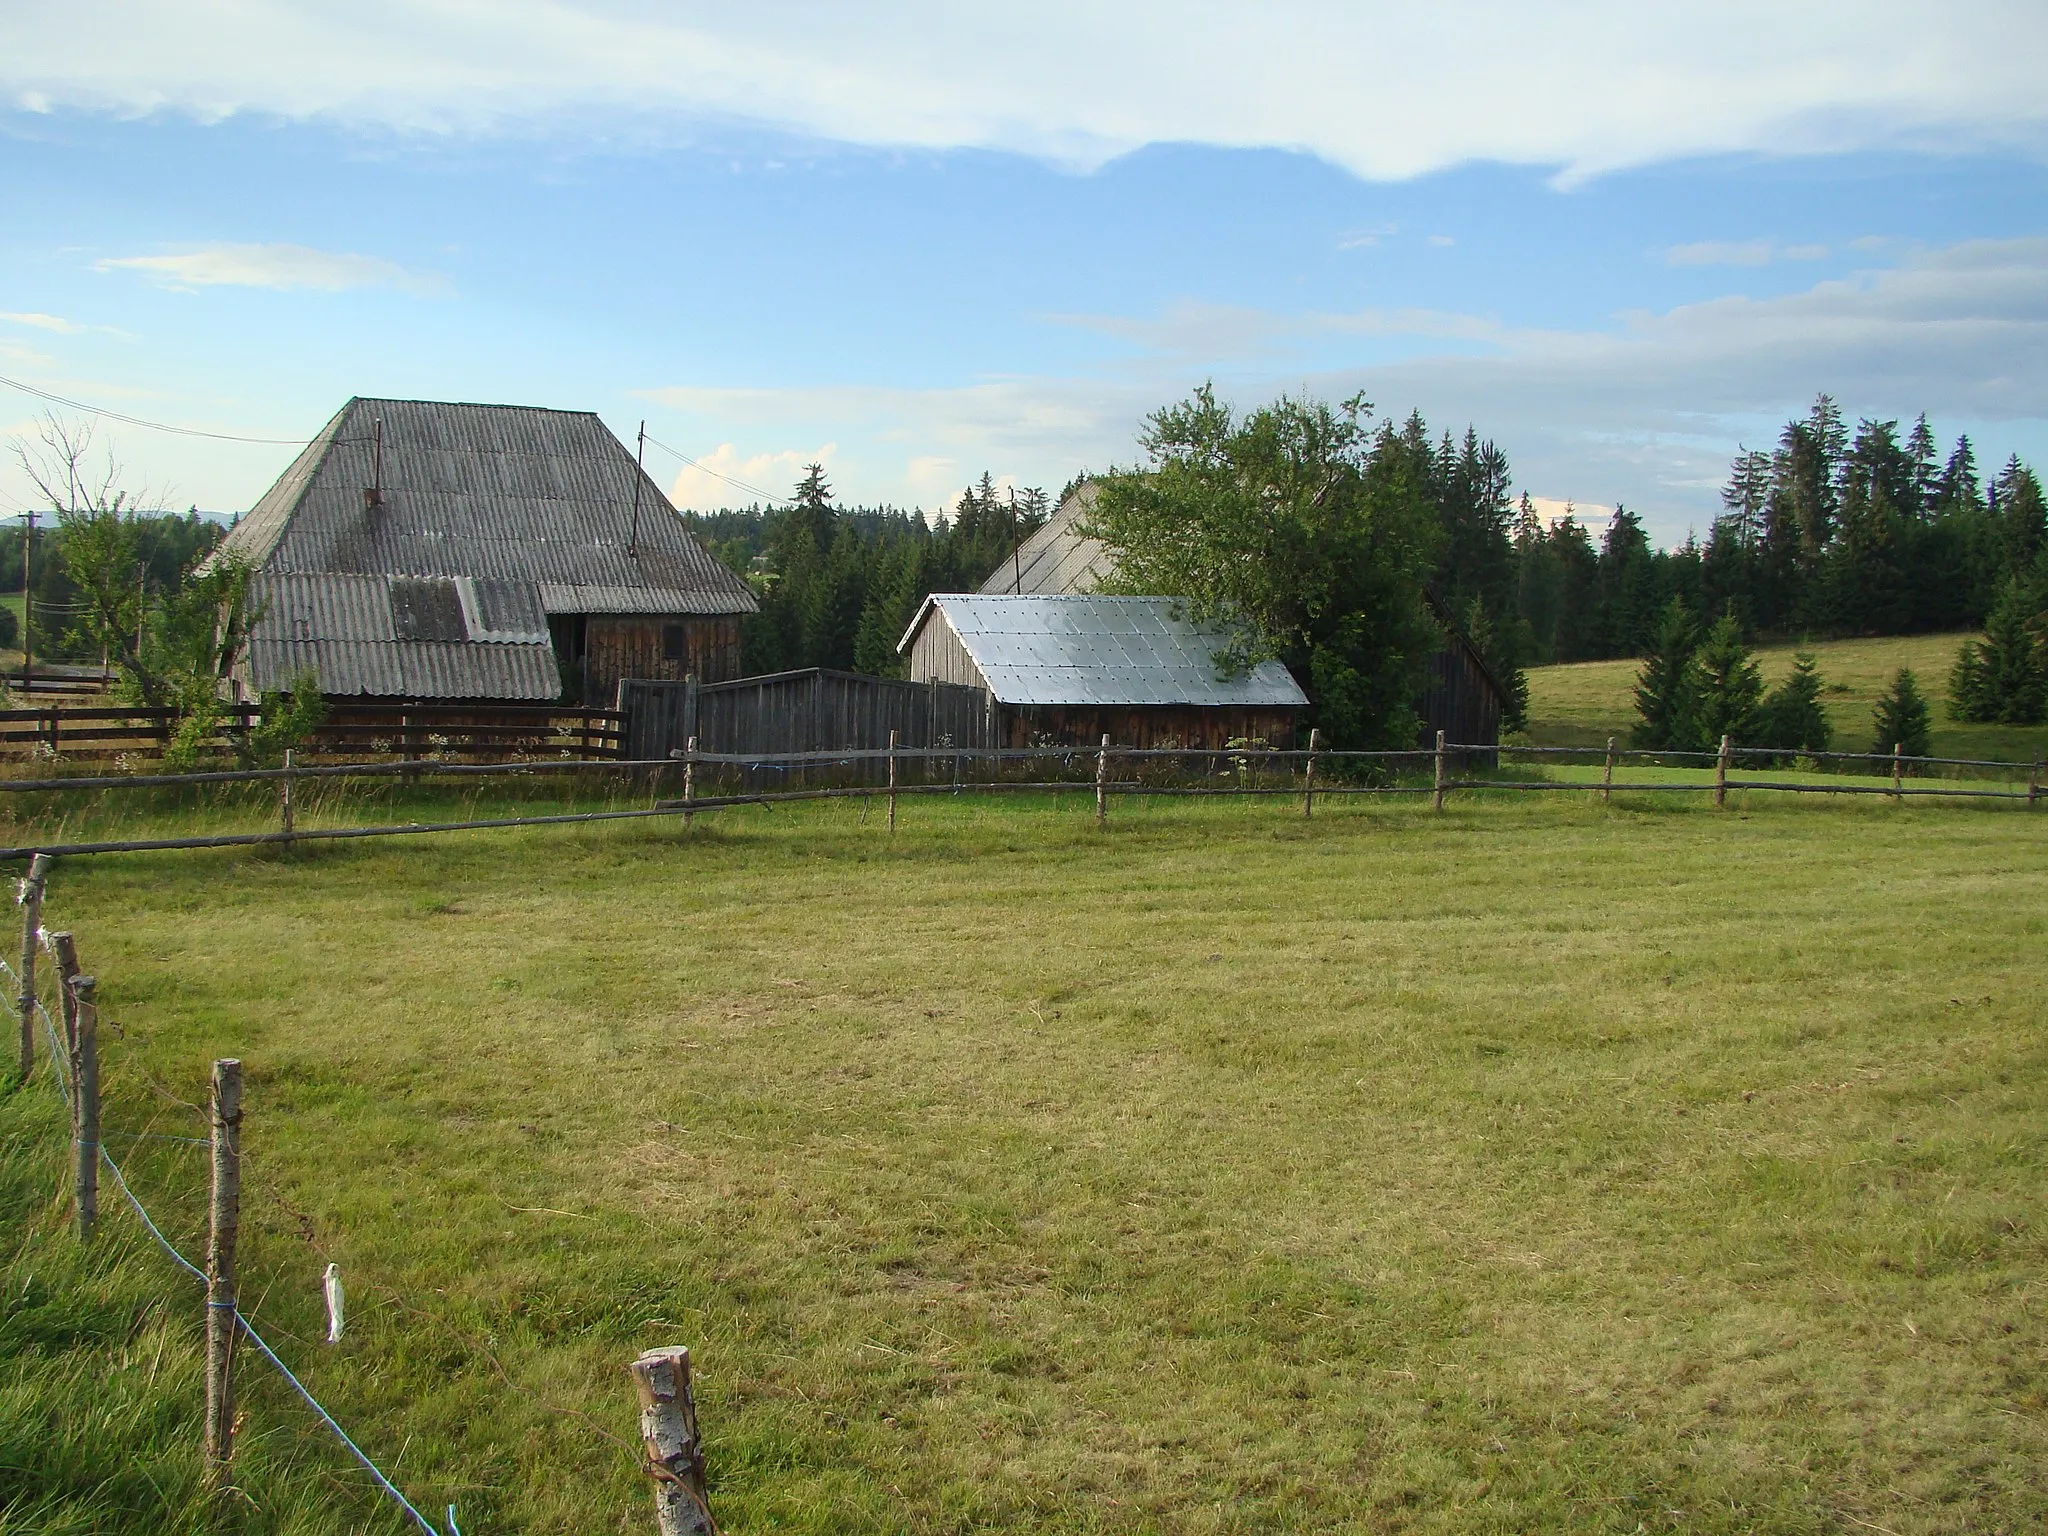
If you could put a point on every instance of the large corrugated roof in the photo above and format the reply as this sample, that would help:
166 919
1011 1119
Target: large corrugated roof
1082 649
507 491
1056 558
529 510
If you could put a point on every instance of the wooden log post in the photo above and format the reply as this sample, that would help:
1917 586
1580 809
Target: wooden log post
1308 781
689 777
892 781
1102 783
65 949
1607 776
668 1432
85 1129
1442 783
284 797
1898 772
2033 785
1721 776
31 943
223 1228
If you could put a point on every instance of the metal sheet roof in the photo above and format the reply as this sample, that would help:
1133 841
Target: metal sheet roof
1083 649
514 493
344 630
1056 558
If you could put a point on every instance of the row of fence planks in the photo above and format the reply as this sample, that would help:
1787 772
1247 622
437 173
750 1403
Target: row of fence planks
414 731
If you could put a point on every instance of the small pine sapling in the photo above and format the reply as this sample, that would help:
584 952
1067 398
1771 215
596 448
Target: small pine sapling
1664 685
1902 719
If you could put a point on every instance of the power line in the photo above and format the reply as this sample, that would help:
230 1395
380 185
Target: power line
155 426
737 484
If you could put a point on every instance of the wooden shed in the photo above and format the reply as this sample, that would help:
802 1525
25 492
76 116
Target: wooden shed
1069 669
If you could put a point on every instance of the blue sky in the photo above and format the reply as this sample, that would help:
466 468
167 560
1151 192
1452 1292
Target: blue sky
1620 247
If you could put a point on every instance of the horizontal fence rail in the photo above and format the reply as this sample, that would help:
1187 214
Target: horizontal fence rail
1310 772
414 731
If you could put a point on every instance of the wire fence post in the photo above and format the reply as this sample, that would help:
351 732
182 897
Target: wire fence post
284 796
689 777
1607 776
668 1431
892 781
1442 783
223 1228
85 1117
1102 783
31 941
1308 783
65 950
1898 771
2034 784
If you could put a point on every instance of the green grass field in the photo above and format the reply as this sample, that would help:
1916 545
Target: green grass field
1532 1167
1585 703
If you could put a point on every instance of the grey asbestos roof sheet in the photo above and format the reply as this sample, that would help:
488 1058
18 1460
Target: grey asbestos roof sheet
1056 558
511 492
1083 649
346 630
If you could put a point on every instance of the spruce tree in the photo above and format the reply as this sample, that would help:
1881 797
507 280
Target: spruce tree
1726 686
1791 718
1664 686
2004 677
1902 719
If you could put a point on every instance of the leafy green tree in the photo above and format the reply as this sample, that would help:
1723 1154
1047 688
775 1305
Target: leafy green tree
1300 532
1726 686
2004 677
1902 718
1663 691
1791 717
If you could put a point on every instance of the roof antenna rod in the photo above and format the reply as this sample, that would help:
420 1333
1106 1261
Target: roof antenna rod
639 474
374 496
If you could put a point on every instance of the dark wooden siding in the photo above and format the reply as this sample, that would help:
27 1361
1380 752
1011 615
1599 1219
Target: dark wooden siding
813 710
1459 699
621 646
1156 725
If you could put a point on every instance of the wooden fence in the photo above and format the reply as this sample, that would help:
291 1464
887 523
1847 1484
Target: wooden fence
416 732
814 710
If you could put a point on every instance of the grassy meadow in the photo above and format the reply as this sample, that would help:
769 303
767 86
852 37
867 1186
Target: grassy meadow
1586 702
1535 1166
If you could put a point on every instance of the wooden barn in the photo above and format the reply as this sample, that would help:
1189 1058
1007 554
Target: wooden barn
433 552
1069 669
1460 697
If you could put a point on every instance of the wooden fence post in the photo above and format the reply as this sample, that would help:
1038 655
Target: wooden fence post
1102 783
223 1228
892 781
1308 783
85 1129
668 1431
1441 783
1721 775
65 949
284 796
1898 771
689 776
31 941
2033 786
1607 776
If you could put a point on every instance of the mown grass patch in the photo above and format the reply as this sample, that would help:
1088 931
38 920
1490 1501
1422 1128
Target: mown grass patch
1584 703
1533 1166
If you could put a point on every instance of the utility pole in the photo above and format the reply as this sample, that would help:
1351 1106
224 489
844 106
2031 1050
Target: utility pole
639 474
28 545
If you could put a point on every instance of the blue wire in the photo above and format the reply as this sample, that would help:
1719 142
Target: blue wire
63 1087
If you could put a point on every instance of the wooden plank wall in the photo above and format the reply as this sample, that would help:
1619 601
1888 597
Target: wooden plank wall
1459 700
1154 726
817 709
630 645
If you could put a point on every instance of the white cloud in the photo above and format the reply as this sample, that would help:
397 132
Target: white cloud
726 477
41 322
1647 411
1740 253
281 267
1441 240
1387 90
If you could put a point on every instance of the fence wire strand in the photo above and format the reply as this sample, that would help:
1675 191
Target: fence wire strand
63 1086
